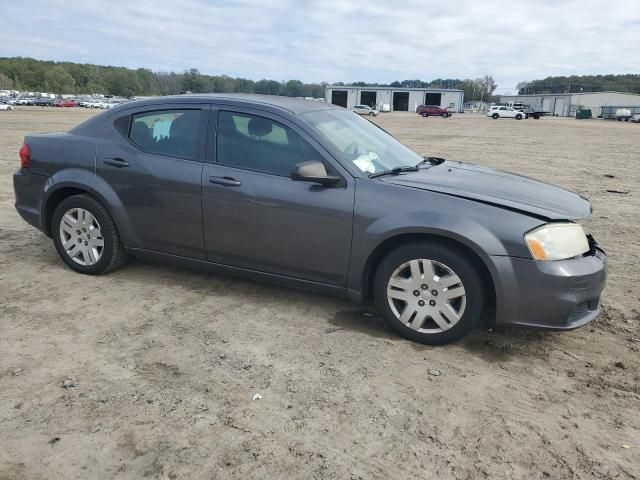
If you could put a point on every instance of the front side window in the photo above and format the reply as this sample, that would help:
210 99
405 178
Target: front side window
257 143
360 142
167 132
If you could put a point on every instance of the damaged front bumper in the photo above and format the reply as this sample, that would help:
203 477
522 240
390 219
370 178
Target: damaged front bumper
563 294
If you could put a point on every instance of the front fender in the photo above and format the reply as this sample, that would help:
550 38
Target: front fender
466 231
484 229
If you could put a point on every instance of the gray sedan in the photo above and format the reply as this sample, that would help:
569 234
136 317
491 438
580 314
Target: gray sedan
312 196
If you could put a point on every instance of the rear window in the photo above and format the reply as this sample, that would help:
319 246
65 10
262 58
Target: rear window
172 133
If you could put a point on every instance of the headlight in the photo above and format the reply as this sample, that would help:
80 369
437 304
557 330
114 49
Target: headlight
557 241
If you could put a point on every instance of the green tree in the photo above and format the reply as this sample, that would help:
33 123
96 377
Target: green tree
193 81
243 85
58 80
293 88
122 82
6 83
267 87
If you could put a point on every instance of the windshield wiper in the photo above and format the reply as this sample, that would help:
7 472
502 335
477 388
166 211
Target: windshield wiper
394 171
432 160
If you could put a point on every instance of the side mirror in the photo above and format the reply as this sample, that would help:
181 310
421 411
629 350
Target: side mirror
314 172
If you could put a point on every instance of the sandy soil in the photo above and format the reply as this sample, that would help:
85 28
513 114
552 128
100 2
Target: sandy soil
150 371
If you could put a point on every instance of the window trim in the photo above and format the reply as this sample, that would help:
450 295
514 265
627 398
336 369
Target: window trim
330 163
202 129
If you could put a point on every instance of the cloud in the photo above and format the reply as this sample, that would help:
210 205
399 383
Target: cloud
334 40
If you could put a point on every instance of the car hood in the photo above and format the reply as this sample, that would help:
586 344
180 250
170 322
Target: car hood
498 188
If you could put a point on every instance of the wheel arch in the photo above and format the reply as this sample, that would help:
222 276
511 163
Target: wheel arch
60 192
391 243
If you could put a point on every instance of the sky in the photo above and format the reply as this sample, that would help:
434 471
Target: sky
334 40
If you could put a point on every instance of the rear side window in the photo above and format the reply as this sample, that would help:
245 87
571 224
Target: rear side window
261 144
167 132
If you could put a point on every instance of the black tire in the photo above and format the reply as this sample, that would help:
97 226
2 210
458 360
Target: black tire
454 258
518 116
495 116
424 114
113 253
371 114
444 114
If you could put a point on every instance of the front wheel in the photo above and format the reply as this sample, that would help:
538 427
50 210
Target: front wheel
429 293
518 117
86 237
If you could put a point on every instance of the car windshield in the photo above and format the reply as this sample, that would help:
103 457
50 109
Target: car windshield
367 146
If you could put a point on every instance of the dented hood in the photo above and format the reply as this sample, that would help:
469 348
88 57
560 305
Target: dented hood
498 188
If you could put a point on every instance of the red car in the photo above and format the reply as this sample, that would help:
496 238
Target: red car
65 103
433 111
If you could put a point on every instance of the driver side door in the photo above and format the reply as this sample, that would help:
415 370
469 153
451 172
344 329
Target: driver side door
256 217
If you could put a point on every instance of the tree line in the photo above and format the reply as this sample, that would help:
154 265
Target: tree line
27 74
629 83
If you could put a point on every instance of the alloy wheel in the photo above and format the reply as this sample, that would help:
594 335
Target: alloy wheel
426 296
81 236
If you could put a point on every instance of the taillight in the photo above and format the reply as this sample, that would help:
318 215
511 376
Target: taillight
25 155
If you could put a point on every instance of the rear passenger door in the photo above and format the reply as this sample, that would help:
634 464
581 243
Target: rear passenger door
256 217
152 158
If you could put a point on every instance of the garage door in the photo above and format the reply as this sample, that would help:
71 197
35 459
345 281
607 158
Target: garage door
546 105
559 110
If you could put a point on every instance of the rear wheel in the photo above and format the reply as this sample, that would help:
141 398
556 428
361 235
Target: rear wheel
495 116
429 293
424 114
86 237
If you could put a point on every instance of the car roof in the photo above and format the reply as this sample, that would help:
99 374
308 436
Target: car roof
290 104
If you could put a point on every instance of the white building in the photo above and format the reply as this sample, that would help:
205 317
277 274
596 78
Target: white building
398 99
566 104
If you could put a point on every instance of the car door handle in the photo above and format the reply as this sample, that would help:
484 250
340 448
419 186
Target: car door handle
116 162
226 181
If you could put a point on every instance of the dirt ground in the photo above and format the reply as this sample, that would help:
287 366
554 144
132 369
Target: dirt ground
149 372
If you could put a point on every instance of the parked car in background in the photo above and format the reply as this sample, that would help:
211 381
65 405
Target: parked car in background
498 111
309 195
6 106
433 111
44 102
623 114
65 103
365 110
636 118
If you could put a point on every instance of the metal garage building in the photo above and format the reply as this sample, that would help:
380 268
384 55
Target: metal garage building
399 99
565 104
